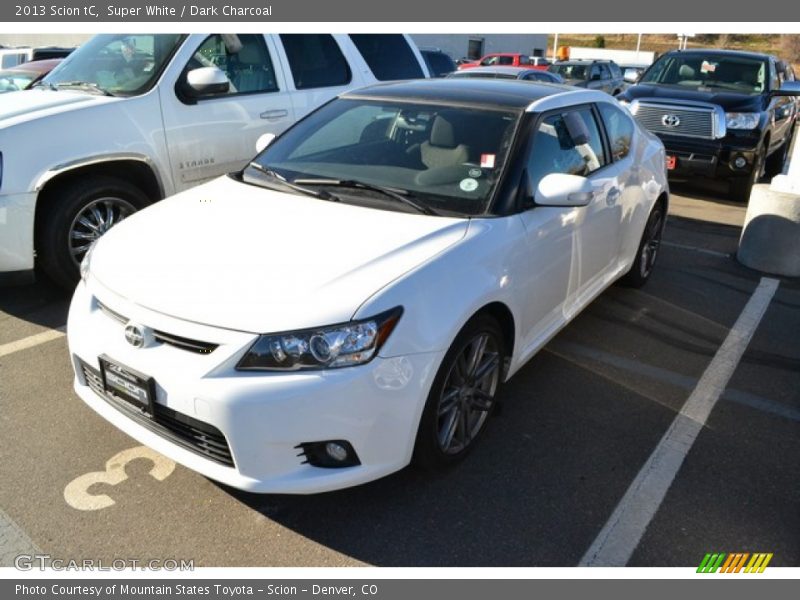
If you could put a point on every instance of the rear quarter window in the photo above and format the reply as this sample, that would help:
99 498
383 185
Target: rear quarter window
388 56
315 60
619 128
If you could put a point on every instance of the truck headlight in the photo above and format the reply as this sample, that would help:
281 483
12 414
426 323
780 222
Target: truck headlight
86 263
735 120
344 345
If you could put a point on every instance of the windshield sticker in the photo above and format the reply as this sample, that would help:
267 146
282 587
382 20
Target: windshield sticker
469 184
708 67
487 161
475 172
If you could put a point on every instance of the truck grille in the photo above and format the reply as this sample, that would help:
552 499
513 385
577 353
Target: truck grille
691 122
194 435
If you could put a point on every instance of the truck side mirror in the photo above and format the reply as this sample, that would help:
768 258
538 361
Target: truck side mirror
207 81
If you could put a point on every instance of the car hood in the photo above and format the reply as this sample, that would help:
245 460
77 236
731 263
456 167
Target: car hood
31 104
730 102
236 256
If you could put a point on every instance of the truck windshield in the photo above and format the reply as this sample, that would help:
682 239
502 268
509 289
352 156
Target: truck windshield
569 71
116 64
712 73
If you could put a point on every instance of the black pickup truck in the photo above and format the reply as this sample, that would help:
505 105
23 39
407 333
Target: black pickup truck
720 113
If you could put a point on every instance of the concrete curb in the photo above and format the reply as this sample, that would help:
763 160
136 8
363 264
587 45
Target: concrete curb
770 240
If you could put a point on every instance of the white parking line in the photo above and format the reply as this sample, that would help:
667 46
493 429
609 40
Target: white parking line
696 249
621 534
13 541
32 340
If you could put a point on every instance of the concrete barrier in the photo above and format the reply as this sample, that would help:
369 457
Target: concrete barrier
770 240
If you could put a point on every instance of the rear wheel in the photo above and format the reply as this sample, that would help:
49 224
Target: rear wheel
79 214
648 249
462 396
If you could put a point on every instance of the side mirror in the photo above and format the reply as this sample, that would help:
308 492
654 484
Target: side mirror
631 76
595 77
789 88
207 81
263 141
560 189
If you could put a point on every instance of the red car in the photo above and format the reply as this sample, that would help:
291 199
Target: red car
22 77
508 59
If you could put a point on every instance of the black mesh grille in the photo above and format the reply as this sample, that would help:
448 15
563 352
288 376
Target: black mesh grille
200 437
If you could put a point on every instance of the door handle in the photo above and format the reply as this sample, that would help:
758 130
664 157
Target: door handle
612 196
271 115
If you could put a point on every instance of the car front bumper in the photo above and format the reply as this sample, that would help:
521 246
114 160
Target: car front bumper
264 417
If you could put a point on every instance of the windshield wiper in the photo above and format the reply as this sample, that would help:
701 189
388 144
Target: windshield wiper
400 196
46 84
81 85
321 194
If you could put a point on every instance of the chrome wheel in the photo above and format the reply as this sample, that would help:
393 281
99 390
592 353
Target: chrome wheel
468 393
651 244
93 221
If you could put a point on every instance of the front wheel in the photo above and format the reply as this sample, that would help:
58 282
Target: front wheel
462 396
741 187
648 249
76 216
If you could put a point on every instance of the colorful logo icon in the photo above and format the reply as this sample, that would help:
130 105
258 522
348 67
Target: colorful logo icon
735 562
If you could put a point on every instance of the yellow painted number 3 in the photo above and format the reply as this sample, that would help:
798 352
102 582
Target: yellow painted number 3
77 491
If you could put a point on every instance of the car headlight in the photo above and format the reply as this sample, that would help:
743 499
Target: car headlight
344 345
742 120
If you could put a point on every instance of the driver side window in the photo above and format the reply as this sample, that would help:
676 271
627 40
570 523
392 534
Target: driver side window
566 142
244 58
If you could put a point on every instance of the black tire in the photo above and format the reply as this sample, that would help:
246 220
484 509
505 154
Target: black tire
778 158
740 187
465 403
647 252
63 238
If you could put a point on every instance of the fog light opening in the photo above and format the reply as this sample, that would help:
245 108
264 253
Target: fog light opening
330 454
740 162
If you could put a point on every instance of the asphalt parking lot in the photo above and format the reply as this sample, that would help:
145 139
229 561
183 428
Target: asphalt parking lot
578 424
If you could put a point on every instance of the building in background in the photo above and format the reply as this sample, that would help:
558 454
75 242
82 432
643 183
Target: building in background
463 45
34 40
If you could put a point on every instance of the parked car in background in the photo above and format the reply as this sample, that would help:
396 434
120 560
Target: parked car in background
140 117
354 299
721 113
522 73
26 75
603 75
505 59
11 57
439 62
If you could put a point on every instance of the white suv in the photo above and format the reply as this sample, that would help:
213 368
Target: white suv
130 119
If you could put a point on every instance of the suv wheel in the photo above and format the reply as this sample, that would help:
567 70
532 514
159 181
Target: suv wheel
775 162
82 212
740 187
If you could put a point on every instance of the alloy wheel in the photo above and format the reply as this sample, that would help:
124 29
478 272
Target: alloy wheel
92 221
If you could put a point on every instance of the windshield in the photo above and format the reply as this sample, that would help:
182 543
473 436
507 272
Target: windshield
709 73
443 157
11 81
569 71
120 64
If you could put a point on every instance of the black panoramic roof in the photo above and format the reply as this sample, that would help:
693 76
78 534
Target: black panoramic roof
507 93
718 52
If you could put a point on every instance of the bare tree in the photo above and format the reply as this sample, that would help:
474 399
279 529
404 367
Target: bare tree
790 48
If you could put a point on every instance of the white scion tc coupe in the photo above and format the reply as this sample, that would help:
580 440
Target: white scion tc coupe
354 298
